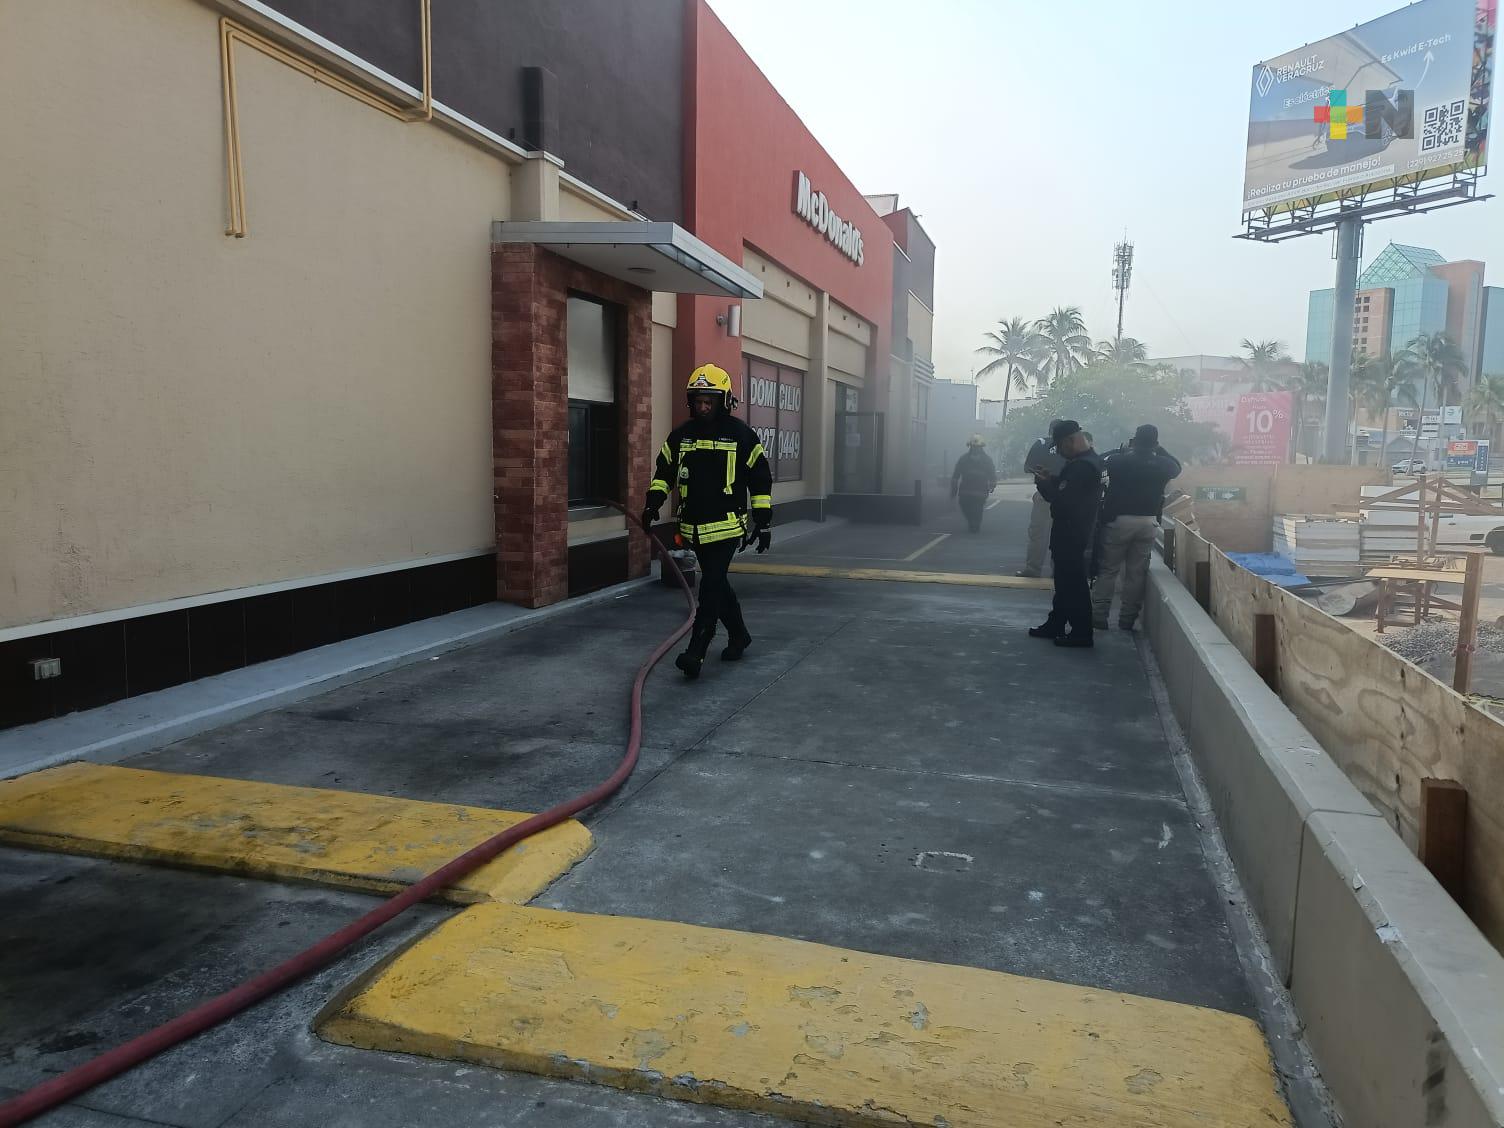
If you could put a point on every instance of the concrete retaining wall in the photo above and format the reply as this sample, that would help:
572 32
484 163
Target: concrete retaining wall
1388 724
1401 997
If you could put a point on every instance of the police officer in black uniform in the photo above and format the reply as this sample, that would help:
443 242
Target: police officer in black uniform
725 488
1074 496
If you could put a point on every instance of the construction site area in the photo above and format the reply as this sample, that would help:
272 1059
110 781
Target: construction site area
1417 562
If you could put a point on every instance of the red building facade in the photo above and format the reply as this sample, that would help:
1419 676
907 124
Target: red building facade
760 189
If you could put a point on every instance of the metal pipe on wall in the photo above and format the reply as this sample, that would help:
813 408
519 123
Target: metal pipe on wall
231 33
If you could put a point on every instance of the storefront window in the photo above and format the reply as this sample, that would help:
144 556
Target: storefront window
859 444
775 410
790 425
593 365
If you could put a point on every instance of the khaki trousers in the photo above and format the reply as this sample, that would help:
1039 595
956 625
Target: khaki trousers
1039 535
1126 544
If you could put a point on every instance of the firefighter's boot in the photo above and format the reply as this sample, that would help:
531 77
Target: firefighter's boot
737 636
694 655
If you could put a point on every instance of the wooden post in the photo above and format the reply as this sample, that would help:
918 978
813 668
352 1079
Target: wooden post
1204 584
1266 648
1443 834
1420 522
1170 548
1467 623
1441 488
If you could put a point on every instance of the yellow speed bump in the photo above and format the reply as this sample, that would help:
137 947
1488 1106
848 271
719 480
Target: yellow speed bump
892 575
814 1033
341 838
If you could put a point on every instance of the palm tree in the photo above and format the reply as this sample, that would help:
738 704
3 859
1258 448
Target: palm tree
1377 382
1263 358
1125 353
1068 343
1365 381
1219 448
1485 403
1015 349
1390 383
1435 360
1309 385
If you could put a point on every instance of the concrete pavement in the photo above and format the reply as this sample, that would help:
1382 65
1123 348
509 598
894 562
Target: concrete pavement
894 769
940 544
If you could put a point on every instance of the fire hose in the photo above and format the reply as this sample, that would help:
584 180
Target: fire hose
112 1063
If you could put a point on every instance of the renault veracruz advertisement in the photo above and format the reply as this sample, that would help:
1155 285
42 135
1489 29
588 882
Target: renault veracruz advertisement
1404 97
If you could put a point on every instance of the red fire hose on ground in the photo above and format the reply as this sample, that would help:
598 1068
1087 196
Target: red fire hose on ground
112 1063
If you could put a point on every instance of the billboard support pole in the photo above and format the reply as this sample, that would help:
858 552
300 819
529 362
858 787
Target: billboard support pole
1349 250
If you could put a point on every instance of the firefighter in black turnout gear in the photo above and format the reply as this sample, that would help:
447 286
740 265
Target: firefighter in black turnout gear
1075 494
725 486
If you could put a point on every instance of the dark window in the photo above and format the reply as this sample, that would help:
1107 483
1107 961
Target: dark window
594 469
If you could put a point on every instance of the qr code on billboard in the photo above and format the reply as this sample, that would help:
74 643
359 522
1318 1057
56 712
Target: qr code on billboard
1443 126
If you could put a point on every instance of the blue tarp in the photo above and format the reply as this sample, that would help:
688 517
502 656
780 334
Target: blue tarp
1272 566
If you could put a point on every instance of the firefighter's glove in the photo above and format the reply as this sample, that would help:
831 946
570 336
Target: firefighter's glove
764 538
649 519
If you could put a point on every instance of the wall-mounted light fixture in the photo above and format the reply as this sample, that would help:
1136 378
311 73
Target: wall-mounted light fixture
734 322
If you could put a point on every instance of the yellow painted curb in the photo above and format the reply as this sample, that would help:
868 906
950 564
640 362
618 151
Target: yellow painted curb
815 1033
892 575
342 838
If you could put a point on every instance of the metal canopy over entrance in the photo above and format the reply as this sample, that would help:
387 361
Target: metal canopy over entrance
657 256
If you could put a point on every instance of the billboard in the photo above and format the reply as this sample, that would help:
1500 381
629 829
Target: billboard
1261 428
1468 454
1404 97
1462 455
1257 425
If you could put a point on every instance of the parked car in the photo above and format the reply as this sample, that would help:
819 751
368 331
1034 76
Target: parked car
1408 466
1464 529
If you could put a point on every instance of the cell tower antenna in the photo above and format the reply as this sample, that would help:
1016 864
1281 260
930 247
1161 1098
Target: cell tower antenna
1122 275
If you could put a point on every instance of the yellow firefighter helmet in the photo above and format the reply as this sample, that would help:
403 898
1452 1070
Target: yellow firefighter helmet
711 379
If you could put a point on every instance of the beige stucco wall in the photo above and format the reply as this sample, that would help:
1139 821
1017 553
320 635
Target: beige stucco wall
581 206
849 324
921 328
791 491
186 413
771 323
778 326
847 359
846 352
778 283
668 393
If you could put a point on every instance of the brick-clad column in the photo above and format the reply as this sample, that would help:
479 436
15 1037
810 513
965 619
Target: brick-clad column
530 416
529 425
636 421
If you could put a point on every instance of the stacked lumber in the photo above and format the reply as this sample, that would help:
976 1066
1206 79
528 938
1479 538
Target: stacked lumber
1318 545
1388 533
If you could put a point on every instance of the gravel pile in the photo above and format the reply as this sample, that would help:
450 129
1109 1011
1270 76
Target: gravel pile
1435 641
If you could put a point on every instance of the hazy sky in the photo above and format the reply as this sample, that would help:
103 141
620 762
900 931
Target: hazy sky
1029 135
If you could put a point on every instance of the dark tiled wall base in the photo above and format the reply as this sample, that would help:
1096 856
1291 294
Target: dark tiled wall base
805 509
117 660
597 565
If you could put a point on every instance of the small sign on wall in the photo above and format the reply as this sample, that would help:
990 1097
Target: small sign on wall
1221 493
